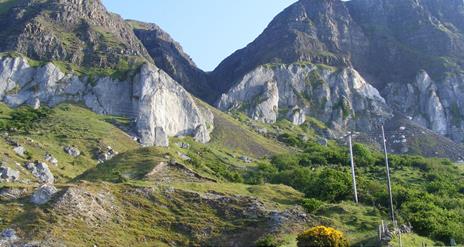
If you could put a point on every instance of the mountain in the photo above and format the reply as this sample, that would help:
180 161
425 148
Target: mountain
79 32
170 57
106 138
406 53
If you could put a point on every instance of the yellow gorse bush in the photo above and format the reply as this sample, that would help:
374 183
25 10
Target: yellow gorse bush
321 236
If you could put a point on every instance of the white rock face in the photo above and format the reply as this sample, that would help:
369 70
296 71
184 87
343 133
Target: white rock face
165 109
434 105
161 107
340 98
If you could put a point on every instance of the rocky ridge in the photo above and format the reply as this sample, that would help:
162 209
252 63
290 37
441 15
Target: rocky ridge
340 97
409 51
81 32
160 106
169 56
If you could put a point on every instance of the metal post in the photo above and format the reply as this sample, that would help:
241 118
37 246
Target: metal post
392 212
353 173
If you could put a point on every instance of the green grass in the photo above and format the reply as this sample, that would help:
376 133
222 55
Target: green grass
230 134
68 125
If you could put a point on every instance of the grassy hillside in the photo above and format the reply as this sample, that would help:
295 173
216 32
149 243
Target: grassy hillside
238 189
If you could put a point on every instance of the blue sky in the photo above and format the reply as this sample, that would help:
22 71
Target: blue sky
209 30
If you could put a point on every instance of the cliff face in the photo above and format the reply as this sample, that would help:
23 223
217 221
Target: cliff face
339 97
161 107
410 51
170 57
81 32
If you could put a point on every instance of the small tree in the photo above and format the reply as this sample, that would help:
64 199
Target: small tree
321 236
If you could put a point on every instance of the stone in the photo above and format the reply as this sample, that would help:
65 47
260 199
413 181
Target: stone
8 235
19 150
51 159
297 116
11 193
183 145
184 156
105 155
43 194
246 159
41 172
72 151
9 175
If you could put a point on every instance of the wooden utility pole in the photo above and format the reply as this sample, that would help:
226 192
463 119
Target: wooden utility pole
392 210
353 173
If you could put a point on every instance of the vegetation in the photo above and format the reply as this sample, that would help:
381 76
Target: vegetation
321 236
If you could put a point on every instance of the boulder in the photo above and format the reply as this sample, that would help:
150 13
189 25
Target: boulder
41 172
246 159
43 194
7 174
72 151
19 150
183 145
8 235
50 158
297 116
105 155
11 193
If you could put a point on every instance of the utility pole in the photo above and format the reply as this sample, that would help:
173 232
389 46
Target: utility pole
353 173
392 211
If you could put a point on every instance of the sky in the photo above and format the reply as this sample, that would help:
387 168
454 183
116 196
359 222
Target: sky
208 30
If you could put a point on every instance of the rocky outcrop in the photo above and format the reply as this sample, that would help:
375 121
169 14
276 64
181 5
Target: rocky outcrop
41 172
161 107
81 32
434 105
389 43
341 98
8 175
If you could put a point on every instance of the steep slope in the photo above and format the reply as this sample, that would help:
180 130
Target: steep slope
159 105
81 32
170 57
409 51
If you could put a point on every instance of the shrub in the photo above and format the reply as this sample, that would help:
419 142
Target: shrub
330 185
311 204
269 241
321 236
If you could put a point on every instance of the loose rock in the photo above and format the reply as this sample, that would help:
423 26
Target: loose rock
50 158
41 172
43 194
8 235
8 175
72 151
19 150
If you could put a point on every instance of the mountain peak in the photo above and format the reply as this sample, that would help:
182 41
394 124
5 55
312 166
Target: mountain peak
81 32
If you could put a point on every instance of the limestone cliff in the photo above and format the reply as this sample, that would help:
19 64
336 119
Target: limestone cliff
341 98
160 106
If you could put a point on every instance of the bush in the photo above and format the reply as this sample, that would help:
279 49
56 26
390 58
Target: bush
26 118
330 185
311 204
321 236
269 241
